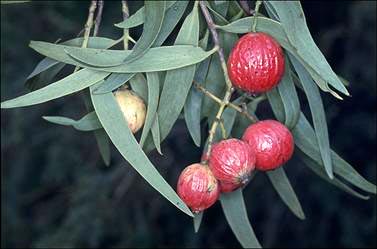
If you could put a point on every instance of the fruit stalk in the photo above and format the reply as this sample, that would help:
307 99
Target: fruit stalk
230 89
255 19
239 109
245 6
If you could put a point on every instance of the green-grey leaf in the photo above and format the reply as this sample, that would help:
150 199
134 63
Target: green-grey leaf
171 19
44 78
156 134
293 22
153 94
114 81
70 84
156 59
289 97
317 169
197 221
89 122
14 1
318 113
48 68
178 82
276 103
153 17
116 127
235 212
139 16
220 7
103 145
306 141
193 104
282 185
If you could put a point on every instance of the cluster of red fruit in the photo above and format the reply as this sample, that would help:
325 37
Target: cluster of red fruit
256 65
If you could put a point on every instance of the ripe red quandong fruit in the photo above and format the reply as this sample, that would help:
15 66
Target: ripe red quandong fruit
256 63
198 187
272 142
231 162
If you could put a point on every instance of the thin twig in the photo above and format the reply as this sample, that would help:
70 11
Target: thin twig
230 89
97 23
126 14
239 109
88 27
245 6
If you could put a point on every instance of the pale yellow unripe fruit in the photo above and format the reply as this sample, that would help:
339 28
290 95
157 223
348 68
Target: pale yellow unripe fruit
133 108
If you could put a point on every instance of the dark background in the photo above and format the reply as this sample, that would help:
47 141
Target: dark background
56 192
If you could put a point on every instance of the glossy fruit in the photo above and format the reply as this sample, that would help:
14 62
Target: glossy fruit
197 187
231 162
133 108
256 63
272 142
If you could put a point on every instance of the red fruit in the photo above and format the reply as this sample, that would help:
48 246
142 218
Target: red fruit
256 63
272 142
197 187
231 162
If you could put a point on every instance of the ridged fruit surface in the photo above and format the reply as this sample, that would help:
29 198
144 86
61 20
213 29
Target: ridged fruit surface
198 187
272 142
231 162
132 107
256 63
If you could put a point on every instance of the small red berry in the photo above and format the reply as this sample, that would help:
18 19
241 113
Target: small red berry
197 187
272 142
231 162
256 63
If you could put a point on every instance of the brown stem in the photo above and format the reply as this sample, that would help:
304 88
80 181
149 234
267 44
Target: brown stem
245 6
239 109
230 89
88 27
97 22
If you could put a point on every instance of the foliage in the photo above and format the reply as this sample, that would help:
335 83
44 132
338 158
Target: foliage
163 74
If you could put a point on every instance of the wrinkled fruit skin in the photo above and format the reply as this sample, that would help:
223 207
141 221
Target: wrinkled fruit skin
272 142
231 162
198 187
133 108
256 63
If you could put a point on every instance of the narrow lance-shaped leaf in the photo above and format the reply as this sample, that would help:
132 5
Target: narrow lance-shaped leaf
193 104
235 212
318 113
177 82
171 19
114 81
282 185
103 145
317 169
293 21
154 15
289 97
48 68
140 86
116 127
276 103
153 93
70 84
139 17
89 122
156 59
305 140
197 221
